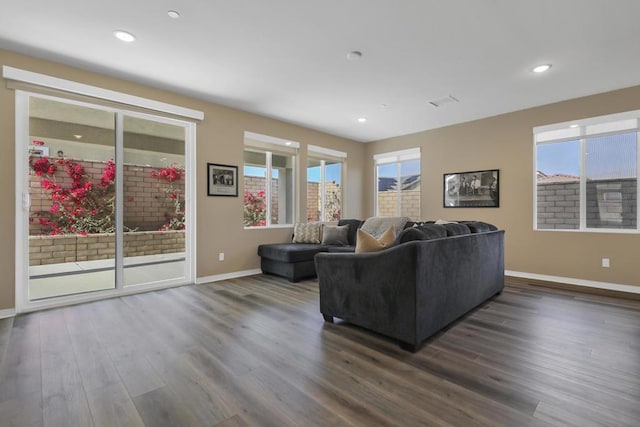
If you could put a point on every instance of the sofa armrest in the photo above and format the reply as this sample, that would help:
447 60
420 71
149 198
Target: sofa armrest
456 274
374 290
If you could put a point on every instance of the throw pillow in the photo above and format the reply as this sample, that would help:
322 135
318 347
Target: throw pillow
368 243
335 235
442 222
306 232
379 224
354 225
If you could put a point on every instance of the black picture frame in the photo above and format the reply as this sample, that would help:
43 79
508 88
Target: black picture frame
222 180
474 189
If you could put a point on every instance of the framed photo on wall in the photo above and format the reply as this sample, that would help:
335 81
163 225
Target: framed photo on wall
222 180
477 189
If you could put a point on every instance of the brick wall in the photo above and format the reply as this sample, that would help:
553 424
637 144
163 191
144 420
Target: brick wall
71 248
145 200
410 203
314 200
610 204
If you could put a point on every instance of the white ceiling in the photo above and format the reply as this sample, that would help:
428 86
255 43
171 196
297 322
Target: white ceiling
287 58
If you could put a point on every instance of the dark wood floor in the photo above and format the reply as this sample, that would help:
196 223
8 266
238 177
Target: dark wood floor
255 351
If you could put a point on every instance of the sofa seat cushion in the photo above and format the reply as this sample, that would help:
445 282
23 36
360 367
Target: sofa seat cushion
290 252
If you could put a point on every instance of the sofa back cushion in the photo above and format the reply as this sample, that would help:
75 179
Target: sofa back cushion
354 225
421 232
365 242
455 229
479 226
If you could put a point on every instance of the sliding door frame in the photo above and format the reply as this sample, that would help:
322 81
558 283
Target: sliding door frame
22 203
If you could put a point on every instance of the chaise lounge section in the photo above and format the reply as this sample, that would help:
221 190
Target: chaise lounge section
295 261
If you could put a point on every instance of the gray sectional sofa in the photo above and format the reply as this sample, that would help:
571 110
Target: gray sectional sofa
410 291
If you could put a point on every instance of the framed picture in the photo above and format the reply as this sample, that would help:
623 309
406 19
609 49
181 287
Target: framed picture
222 180
478 189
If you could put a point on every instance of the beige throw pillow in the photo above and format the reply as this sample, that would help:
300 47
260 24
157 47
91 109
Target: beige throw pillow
365 242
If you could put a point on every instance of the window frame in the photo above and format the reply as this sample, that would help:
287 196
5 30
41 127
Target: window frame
397 157
324 155
582 131
269 146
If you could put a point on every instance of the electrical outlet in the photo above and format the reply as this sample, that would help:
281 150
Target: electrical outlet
605 262
221 256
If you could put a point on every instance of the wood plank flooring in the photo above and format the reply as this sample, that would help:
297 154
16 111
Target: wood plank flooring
255 351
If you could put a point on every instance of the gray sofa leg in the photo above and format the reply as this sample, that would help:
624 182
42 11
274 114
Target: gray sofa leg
327 318
409 347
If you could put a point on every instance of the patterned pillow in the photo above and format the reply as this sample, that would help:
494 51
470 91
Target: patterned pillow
306 232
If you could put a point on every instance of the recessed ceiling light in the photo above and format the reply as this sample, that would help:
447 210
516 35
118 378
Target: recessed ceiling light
354 55
541 68
173 14
573 126
124 36
76 136
362 119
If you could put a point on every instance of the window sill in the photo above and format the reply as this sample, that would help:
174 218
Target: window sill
270 227
592 230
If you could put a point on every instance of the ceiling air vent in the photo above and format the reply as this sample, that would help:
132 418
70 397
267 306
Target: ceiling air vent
443 101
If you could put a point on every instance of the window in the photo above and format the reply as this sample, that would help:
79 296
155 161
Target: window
324 188
586 174
269 171
398 183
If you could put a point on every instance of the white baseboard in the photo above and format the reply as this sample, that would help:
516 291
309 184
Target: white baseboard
225 276
10 312
576 282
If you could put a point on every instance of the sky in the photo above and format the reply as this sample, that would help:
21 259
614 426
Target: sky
607 157
332 173
408 168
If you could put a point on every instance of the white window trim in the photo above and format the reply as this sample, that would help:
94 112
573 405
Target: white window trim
323 155
68 86
398 157
22 303
581 130
268 145
323 152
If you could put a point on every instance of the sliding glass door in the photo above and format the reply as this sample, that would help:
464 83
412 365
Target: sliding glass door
72 213
154 214
104 199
